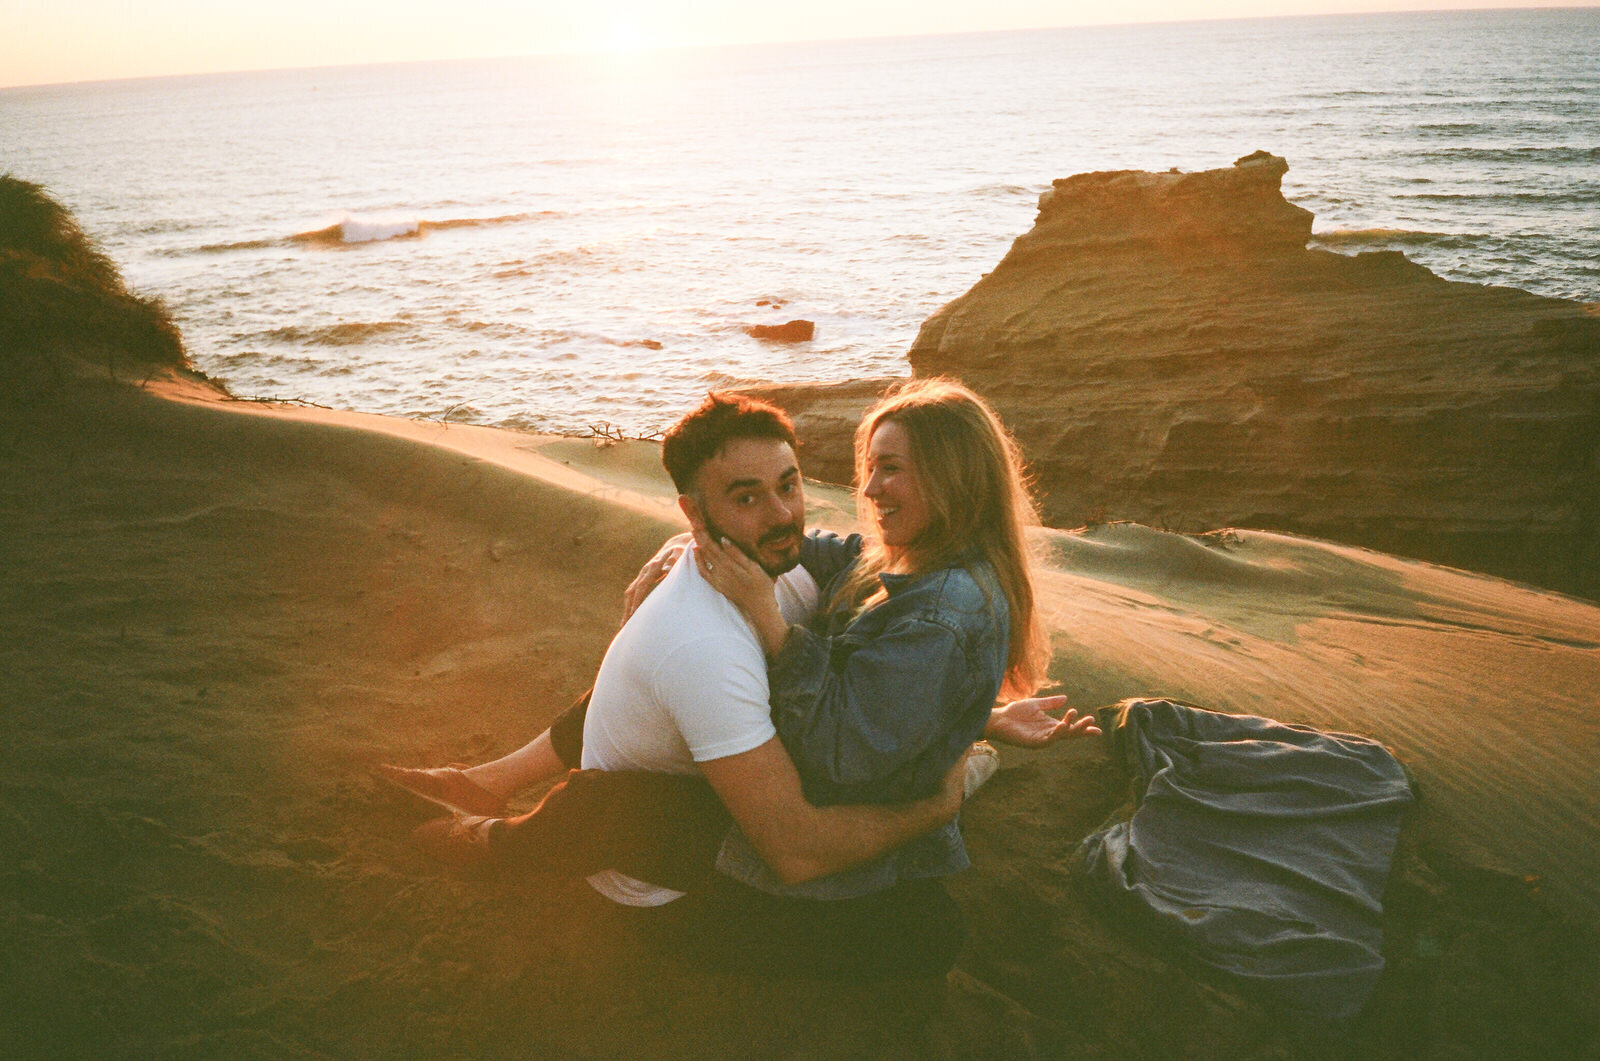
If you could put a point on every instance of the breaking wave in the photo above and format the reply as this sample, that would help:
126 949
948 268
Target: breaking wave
352 229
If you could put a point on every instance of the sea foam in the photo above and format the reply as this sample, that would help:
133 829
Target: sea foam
353 228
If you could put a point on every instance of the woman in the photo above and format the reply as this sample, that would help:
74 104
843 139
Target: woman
875 701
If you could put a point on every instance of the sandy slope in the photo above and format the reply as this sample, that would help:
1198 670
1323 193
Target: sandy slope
1485 689
215 617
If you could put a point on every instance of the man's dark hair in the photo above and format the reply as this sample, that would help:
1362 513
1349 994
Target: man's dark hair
718 420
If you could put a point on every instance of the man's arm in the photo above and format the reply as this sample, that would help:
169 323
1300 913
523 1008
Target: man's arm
800 842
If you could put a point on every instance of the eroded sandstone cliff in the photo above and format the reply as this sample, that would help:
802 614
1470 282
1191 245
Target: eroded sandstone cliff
1168 351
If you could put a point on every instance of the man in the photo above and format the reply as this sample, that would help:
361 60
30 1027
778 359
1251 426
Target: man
683 692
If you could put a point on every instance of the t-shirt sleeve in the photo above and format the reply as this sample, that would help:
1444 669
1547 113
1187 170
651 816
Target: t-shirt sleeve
798 595
715 689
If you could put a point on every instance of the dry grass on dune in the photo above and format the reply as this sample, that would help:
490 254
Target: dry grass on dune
61 300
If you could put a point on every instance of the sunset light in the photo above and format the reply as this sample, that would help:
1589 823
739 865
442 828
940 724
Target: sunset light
884 409
628 37
81 40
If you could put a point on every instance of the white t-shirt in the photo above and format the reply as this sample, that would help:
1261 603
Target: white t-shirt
684 681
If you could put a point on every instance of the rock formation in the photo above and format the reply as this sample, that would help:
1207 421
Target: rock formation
796 331
1168 351
825 416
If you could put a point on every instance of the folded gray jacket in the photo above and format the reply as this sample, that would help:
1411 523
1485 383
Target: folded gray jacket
1262 848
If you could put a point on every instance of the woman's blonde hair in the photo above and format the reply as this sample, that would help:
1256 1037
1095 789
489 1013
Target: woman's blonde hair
976 489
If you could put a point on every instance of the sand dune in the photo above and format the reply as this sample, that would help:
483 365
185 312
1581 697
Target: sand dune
1485 689
215 617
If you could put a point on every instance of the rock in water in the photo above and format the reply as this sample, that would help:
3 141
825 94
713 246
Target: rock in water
1167 350
797 331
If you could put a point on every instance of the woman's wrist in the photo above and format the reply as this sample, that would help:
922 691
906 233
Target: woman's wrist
773 630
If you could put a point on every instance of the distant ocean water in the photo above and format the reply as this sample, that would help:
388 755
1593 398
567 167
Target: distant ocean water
554 243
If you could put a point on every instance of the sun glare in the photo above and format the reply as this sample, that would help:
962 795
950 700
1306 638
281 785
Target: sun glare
627 37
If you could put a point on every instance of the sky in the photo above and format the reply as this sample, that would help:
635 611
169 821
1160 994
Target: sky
49 41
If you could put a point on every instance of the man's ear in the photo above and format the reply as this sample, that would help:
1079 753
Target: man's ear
691 510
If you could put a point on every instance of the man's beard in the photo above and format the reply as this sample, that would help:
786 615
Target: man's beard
796 530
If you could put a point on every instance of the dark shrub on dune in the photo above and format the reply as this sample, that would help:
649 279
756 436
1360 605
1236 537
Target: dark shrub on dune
61 299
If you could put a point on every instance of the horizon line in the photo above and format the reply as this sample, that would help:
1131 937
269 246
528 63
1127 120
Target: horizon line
648 50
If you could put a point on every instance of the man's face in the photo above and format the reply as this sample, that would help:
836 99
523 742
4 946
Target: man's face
750 494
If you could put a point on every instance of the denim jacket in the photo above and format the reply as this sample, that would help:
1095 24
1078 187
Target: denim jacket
875 706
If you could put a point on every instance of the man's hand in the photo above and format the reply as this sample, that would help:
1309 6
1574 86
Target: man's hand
650 575
1029 723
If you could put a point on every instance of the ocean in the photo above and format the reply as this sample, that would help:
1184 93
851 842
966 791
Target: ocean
569 243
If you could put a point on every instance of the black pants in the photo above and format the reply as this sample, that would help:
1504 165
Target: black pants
667 829
911 931
663 828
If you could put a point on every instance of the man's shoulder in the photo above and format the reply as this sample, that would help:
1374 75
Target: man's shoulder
685 663
713 685
695 631
684 609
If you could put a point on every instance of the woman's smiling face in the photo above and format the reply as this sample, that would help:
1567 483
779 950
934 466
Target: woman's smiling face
894 487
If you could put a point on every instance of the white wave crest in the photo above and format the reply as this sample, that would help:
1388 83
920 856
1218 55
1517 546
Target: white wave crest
356 229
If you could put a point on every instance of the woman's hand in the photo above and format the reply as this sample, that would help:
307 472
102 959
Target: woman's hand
739 578
654 570
1029 724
